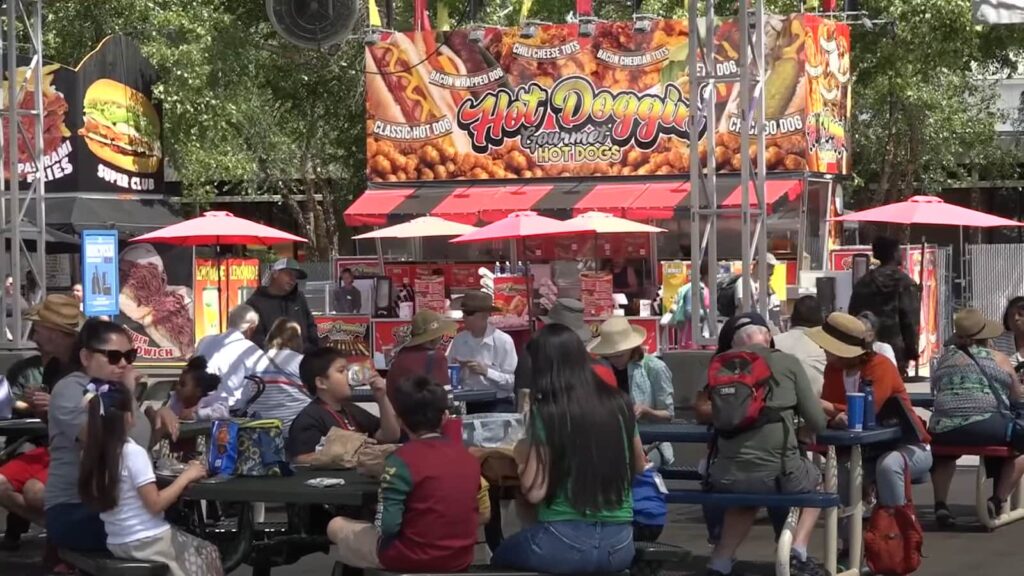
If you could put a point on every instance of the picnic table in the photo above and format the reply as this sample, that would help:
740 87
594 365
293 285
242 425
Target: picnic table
690 432
264 545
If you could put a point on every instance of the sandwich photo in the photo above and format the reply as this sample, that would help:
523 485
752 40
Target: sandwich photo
164 312
121 127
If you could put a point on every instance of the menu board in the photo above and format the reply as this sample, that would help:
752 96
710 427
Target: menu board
429 293
511 296
596 294
350 334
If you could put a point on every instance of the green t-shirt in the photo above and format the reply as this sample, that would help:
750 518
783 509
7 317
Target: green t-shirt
561 510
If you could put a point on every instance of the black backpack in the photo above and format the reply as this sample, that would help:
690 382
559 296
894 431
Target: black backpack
727 296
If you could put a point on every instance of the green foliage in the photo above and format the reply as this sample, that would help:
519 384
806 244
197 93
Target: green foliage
244 111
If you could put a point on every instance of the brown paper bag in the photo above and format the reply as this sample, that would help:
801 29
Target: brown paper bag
341 449
370 459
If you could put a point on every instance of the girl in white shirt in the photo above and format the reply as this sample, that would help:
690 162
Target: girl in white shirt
116 477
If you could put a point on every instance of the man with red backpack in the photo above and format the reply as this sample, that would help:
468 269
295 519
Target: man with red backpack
755 394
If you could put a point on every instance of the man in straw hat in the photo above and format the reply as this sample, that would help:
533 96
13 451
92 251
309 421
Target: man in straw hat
420 355
55 324
487 355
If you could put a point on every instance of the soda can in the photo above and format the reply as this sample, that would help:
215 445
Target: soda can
455 376
359 375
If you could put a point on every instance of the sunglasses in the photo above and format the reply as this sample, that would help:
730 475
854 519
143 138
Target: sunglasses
115 356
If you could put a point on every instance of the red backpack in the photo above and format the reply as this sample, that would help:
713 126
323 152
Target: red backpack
894 539
739 382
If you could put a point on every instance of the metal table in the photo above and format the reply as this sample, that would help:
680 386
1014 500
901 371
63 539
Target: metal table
692 433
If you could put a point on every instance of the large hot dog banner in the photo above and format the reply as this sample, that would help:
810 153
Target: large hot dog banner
441 107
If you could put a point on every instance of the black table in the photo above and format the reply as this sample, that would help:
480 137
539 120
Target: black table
23 427
467 396
266 545
356 491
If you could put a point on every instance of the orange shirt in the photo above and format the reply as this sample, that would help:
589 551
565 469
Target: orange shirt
884 376
886 382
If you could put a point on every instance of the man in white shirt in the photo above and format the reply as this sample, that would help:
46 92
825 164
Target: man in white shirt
487 355
806 315
232 356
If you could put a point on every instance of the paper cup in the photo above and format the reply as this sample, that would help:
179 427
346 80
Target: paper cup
405 310
645 307
855 410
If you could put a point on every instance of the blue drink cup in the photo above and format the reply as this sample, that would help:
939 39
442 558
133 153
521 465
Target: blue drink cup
855 410
455 376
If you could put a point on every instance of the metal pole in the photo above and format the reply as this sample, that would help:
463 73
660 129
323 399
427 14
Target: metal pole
13 98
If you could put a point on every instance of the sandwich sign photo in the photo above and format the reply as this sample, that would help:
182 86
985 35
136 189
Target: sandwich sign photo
549 102
101 130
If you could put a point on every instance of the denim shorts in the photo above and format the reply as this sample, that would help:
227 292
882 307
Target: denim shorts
572 547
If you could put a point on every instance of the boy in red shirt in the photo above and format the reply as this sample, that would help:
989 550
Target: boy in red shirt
428 509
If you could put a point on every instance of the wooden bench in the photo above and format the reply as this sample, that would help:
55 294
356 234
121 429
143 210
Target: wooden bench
104 564
1013 510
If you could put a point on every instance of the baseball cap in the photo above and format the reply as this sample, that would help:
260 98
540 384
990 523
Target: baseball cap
289 264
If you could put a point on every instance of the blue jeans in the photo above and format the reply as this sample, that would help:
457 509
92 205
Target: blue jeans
75 527
573 547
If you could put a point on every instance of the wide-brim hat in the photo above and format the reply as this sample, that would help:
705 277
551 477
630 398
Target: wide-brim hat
569 313
428 325
970 323
841 335
477 301
58 311
617 335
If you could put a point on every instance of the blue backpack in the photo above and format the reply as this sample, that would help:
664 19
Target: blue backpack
649 507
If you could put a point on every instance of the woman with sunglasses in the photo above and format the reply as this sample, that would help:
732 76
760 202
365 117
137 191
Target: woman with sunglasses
104 356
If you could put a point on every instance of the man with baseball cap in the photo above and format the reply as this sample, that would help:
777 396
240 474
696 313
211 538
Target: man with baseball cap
281 298
55 324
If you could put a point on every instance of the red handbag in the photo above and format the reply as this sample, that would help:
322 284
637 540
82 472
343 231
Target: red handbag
893 540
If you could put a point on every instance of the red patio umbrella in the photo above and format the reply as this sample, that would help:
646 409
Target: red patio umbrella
519 225
218 228
928 210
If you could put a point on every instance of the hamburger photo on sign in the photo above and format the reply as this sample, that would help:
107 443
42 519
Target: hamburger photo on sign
121 127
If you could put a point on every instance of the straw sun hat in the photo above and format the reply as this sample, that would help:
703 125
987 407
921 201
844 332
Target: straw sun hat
617 335
969 323
428 325
57 311
841 335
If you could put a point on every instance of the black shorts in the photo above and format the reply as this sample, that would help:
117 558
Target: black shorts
800 477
